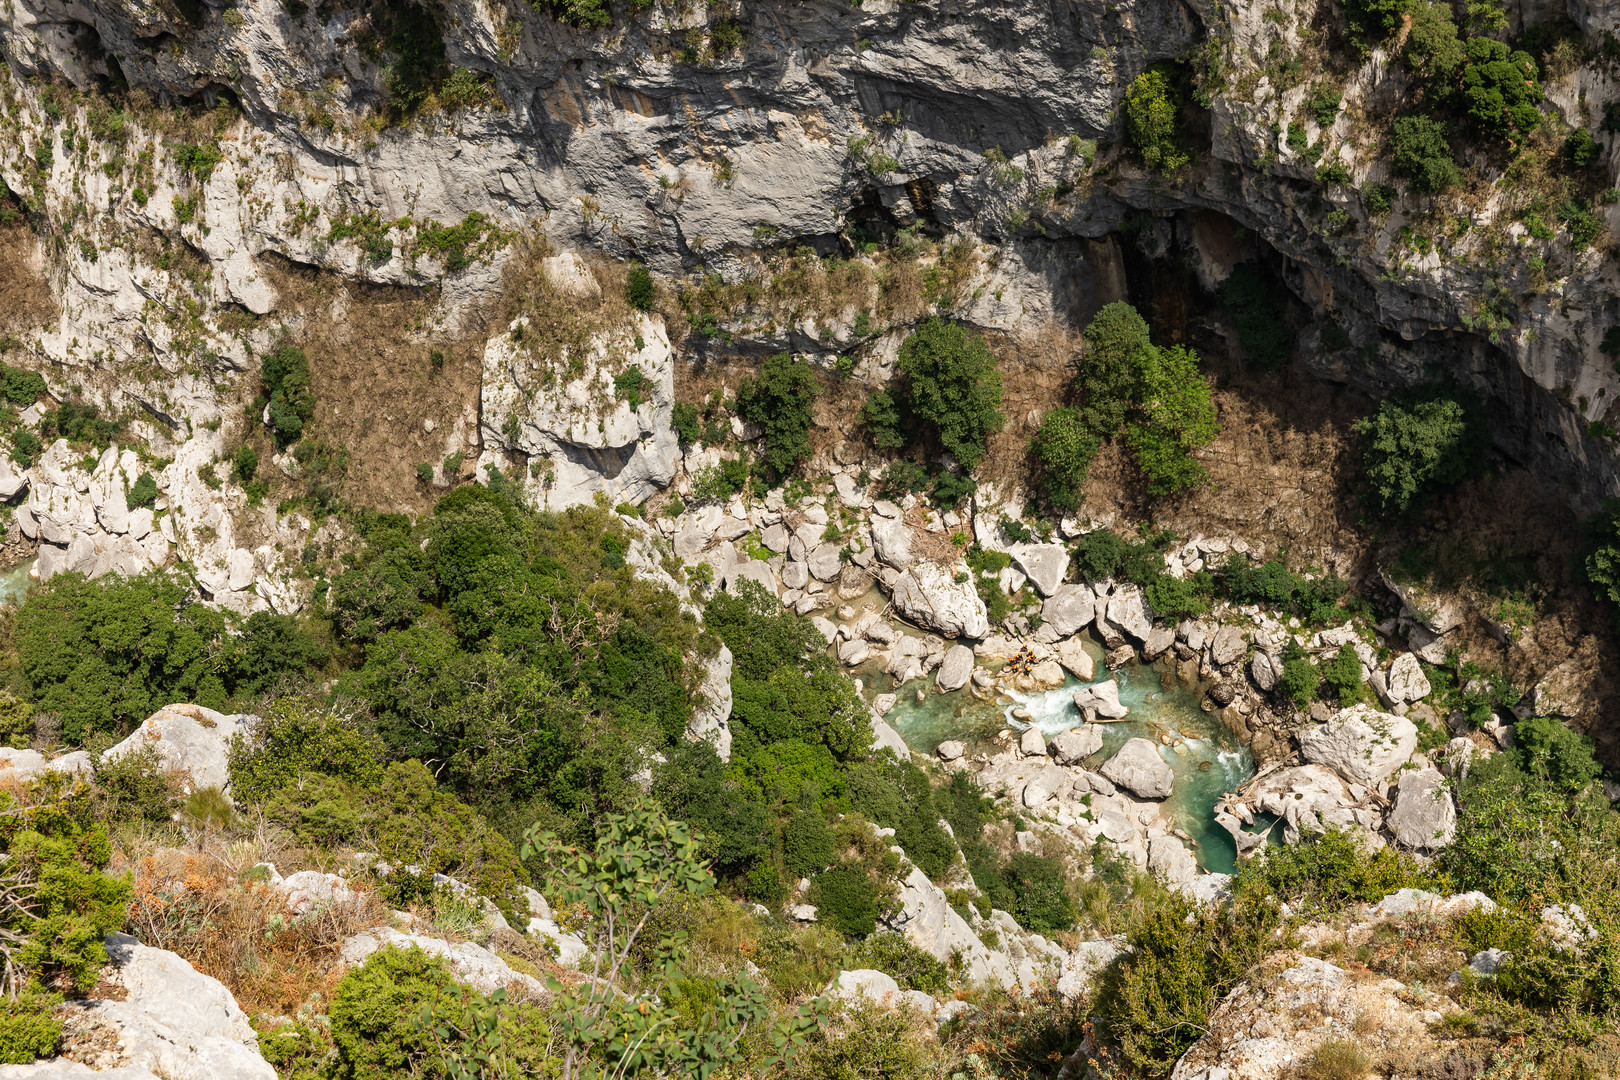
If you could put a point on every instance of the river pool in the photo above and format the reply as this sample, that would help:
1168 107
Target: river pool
14 582
1207 759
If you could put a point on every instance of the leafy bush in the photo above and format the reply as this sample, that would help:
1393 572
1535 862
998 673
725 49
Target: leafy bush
781 400
1580 149
896 956
21 387
1273 585
807 843
143 493
897 795
1064 447
638 288
372 1014
951 384
846 899
1419 442
1584 225
1343 675
1103 553
28 1030
1156 1001
736 827
1300 678
685 422
880 416
1256 304
1180 598
284 374
133 787
1108 379
1151 104
1433 49
295 741
1500 90
57 857
1176 416
1421 152
384 593
1372 20
1323 873
1039 888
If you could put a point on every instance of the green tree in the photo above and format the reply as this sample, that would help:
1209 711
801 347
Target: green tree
1433 49
640 858
284 374
952 384
1064 448
781 400
881 418
1500 91
1151 104
1372 20
638 288
1109 370
1421 152
1419 442
1175 417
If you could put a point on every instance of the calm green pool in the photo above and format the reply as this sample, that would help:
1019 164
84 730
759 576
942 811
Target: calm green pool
1208 762
14 582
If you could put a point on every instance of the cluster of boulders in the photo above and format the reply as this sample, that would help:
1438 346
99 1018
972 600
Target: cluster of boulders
82 519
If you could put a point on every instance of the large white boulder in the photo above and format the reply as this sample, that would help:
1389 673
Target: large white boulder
188 739
930 596
1099 702
1045 565
1361 744
1073 746
891 542
872 985
1072 654
1406 681
1067 611
1424 818
174 1022
1128 610
1139 769
955 669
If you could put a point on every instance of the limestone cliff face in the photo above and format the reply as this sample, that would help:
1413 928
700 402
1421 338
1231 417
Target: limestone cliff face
654 139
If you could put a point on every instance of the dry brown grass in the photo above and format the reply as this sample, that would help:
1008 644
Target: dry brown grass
27 301
188 901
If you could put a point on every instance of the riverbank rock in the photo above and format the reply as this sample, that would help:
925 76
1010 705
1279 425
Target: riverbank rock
1406 681
1128 611
1099 702
1066 612
1139 769
188 739
1361 744
1075 745
955 669
1272 1023
1072 654
1424 818
891 541
930 596
175 1022
929 922
1045 565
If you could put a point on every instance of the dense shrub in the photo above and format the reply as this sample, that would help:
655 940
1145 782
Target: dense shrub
1064 447
1039 889
1433 49
1102 554
1300 678
1343 675
1180 598
952 385
896 956
1500 91
1419 442
1372 20
284 374
143 493
1109 375
897 795
638 288
22 388
1273 585
1156 1002
1422 153
881 418
28 1029
695 786
807 843
373 1012
780 400
1324 872
295 741
1175 417
1256 304
846 899
1152 102
385 593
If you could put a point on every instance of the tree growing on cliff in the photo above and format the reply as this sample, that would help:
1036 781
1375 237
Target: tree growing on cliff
1419 442
781 400
952 385
1175 416
1422 153
1151 105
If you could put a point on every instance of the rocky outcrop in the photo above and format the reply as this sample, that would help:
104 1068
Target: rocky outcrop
1361 744
711 713
1099 702
469 963
930 596
592 423
189 740
174 1022
1424 818
1269 1027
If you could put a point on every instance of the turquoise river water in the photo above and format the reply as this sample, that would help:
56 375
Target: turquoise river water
14 583
1207 760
